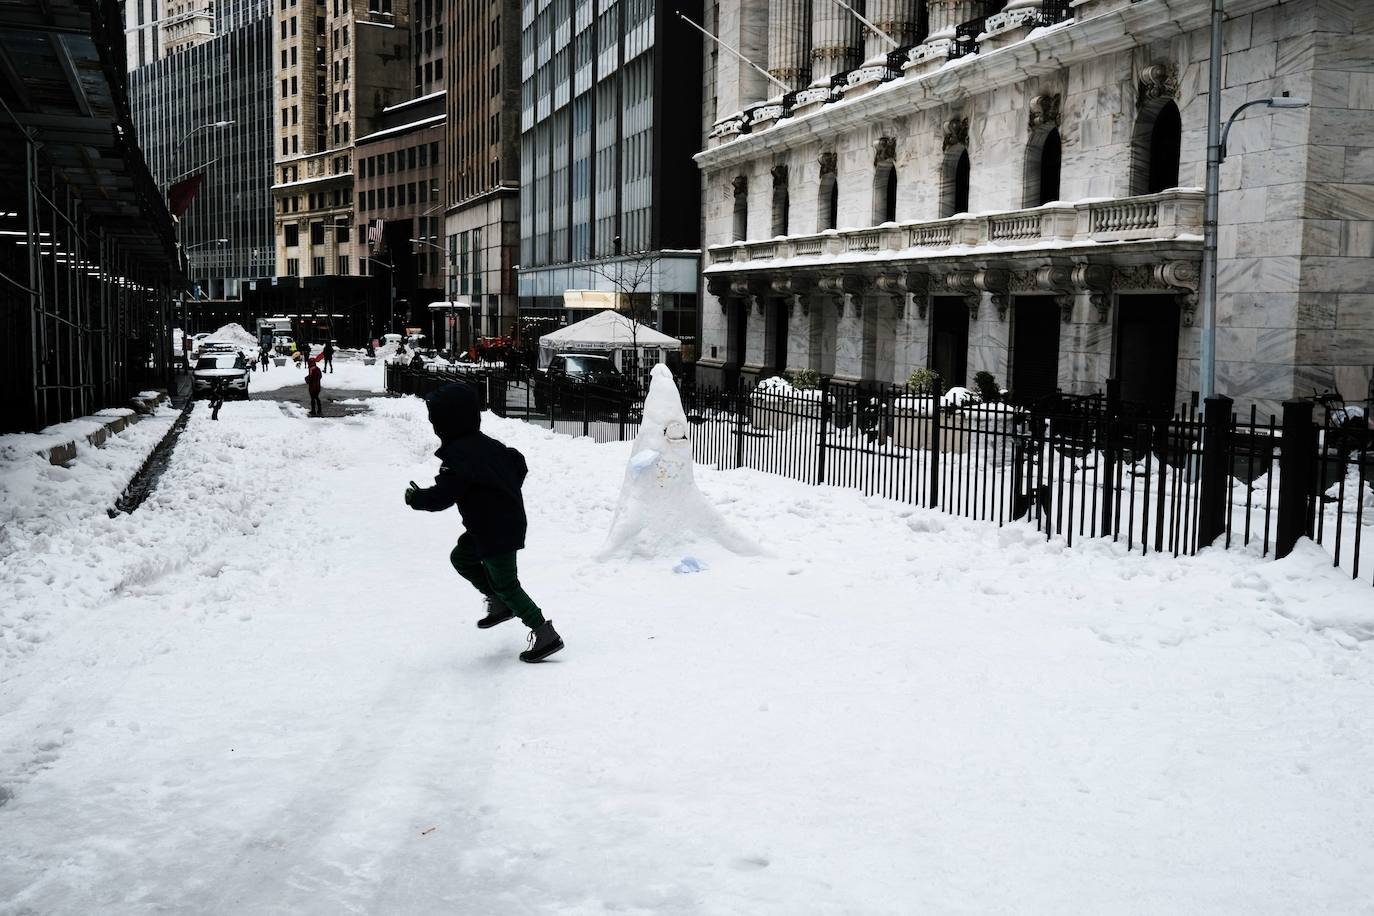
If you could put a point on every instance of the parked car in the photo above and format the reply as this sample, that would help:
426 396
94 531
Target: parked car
605 384
230 369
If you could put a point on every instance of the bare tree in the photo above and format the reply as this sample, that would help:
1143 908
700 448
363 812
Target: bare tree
632 276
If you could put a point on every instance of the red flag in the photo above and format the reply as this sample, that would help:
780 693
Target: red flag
180 195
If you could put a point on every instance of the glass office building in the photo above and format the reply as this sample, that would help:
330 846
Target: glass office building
176 101
609 93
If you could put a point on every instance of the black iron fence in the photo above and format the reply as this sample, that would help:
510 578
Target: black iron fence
1073 467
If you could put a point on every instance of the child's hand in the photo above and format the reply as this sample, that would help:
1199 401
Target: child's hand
411 491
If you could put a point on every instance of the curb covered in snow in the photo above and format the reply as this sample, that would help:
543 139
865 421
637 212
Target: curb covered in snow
104 424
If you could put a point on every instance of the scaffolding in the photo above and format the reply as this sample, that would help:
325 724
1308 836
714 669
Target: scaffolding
88 257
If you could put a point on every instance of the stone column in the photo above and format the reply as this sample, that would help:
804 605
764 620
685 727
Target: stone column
944 15
789 41
834 41
895 17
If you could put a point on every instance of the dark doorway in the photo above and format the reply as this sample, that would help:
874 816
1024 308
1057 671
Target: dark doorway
949 340
1034 348
777 333
1147 351
1166 139
739 332
1051 157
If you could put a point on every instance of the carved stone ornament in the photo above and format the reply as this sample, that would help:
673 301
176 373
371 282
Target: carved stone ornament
960 283
740 185
996 282
1157 81
1044 112
1096 281
1180 277
847 289
956 132
719 287
902 284
793 292
884 150
827 163
779 173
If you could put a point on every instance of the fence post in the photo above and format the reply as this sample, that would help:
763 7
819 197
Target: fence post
1111 435
937 390
1216 472
586 413
740 401
824 429
1297 451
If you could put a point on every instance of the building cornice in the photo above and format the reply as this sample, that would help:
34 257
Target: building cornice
1045 52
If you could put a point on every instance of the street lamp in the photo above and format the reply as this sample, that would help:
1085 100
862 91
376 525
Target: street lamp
1216 155
448 277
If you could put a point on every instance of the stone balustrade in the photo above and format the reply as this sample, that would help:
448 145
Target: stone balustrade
1168 215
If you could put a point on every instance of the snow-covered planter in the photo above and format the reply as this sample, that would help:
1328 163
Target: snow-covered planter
964 422
369 360
775 403
279 360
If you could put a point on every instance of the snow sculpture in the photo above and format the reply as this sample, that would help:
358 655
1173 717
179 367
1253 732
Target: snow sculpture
660 507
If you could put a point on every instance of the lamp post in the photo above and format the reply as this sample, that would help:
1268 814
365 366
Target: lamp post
1216 155
448 279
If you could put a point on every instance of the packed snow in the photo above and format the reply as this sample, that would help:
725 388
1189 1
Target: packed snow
350 374
263 692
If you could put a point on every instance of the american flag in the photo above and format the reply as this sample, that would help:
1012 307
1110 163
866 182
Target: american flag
374 233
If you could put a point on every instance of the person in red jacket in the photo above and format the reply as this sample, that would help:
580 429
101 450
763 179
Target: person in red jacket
312 382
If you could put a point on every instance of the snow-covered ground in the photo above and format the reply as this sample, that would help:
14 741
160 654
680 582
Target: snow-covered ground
263 692
349 374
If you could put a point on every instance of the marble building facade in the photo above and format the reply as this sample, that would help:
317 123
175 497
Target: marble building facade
1015 187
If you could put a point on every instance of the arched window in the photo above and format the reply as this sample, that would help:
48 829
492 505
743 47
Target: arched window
954 194
885 194
1044 157
741 226
780 200
829 209
1155 148
1166 141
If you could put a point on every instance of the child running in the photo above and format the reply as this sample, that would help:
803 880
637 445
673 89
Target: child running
483 477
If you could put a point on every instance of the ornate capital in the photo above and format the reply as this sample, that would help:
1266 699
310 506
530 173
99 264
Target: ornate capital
827 163
996 282
1044 112
1157 81
1183 277
793 292
847 289
884 150
1096 281
961 283
956 132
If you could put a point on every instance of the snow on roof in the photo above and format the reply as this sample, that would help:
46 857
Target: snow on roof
415 101
413 125
607 330
317 179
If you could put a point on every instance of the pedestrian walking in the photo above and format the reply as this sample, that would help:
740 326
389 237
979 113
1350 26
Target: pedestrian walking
264 357
483 478
328 355
312 382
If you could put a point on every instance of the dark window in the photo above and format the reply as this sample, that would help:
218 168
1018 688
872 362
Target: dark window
291 232
1166 140
780 202
741 216
885 194
954 199
317 233
829 203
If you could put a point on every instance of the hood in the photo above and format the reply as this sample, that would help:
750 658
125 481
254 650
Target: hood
454 410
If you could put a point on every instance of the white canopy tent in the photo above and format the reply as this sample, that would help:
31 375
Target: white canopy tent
609 332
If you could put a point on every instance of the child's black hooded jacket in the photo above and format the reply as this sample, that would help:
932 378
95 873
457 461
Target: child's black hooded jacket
479 474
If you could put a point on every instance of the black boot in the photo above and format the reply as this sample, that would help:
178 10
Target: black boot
497 612
544 641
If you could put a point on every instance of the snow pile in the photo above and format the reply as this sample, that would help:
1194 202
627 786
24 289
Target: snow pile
660 508
234 333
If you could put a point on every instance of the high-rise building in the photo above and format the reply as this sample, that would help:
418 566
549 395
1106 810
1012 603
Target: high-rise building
481 172
339 64
156 28
609 194
206 110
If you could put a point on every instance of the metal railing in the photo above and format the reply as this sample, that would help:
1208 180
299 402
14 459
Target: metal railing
1071 467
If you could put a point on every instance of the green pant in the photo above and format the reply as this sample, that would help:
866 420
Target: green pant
495 576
